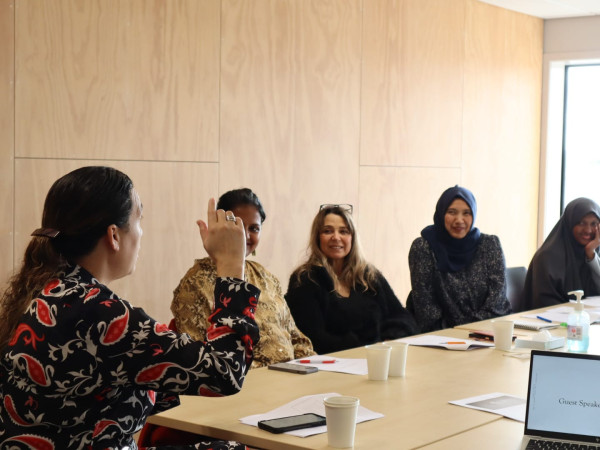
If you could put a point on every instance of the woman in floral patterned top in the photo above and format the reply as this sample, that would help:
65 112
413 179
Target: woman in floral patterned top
81 368
280 339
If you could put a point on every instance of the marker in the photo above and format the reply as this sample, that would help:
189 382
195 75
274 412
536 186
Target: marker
544 319
564 324
308 361
458 342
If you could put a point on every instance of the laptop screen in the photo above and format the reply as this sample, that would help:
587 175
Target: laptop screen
563 401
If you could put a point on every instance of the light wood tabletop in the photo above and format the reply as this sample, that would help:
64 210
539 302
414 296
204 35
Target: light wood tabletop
416 409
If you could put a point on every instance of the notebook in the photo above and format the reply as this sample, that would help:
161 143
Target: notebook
534 326
563 399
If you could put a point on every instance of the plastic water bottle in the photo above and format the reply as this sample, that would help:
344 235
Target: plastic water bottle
578 326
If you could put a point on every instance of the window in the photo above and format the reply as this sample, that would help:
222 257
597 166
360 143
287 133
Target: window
581 134
570 158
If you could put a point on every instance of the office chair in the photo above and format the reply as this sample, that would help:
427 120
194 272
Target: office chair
515 282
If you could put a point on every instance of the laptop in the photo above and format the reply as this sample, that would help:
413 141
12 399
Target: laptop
563 400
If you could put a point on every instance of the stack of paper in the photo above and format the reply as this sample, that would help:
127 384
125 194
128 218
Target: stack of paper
303 405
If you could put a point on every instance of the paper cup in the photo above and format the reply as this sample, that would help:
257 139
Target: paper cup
378 361
503 333
340 413
397 358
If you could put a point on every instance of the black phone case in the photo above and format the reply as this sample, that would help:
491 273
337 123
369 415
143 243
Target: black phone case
294 368
270 425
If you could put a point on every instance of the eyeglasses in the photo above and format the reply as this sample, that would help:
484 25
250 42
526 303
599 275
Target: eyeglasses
344 207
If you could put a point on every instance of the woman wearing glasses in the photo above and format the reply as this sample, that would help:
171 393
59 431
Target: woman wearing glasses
568 259
337 298
457 273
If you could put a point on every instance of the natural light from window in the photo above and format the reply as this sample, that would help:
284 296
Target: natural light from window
581 169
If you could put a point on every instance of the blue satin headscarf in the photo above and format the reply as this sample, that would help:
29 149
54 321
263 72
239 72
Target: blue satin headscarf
452 254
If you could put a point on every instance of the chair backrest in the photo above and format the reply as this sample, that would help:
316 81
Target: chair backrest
515 282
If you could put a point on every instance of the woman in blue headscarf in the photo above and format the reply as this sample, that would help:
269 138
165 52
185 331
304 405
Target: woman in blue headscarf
457 273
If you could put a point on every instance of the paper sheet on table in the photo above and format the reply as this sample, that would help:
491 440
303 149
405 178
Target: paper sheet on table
451 343
303 405
594 301
503 404
561 314
344 365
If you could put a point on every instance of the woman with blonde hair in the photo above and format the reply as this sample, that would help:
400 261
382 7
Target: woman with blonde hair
337 298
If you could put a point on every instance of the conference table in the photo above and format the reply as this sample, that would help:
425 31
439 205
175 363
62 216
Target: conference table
416 408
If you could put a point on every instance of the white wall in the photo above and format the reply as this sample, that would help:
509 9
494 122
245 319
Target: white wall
579 34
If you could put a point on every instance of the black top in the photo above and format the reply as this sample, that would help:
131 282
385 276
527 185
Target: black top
336 323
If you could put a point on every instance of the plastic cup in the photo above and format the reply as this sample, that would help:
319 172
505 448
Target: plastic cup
340 413
503 333
378 361
397 359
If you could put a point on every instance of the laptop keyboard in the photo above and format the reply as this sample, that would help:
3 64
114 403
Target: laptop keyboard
541 444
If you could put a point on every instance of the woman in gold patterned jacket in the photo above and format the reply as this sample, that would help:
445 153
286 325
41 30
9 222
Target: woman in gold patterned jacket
280 339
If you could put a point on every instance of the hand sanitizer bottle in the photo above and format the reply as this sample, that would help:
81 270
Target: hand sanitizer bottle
578 326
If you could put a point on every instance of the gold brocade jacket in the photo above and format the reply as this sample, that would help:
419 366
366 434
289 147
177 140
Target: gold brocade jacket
280 339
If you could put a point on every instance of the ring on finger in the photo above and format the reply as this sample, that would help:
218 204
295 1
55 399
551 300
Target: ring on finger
230 217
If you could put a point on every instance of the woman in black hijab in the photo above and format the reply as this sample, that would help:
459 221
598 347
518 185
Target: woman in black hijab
568 259
457 273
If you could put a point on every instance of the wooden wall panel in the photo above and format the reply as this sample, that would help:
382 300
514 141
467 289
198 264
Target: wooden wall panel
290 109
136 79
174 196
396 204
502 101
412 80
378 103
7 148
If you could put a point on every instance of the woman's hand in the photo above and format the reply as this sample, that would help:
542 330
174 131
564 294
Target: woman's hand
224 240
590 248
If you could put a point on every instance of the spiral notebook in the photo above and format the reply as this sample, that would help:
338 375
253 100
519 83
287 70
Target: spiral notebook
534 326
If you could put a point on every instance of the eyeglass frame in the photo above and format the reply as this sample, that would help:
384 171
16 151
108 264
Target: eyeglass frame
343 206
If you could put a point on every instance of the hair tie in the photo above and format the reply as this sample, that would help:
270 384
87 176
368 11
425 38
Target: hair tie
46 232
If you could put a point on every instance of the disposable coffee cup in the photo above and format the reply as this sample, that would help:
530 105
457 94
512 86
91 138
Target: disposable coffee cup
397 358
503 333
378 361
340 414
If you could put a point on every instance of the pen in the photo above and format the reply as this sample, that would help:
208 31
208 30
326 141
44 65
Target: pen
544 319
457 342
308 361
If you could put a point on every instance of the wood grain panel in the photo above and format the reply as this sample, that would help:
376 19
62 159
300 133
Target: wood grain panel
396 204
503 84
290 109
412 82
174 196
134 79
7 148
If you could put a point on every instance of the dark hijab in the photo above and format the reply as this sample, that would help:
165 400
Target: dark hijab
452 254
559 264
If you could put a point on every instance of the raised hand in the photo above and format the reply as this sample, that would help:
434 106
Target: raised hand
224 239
590 248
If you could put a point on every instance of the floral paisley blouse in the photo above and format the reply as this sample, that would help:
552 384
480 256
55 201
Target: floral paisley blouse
84 368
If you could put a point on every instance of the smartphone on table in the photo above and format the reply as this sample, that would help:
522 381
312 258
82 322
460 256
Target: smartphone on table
291 423
293 368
